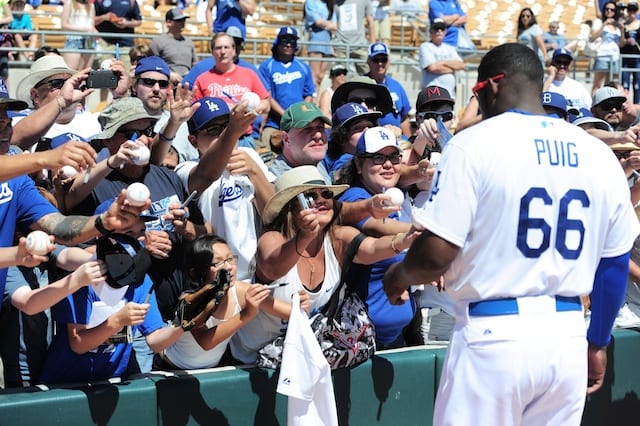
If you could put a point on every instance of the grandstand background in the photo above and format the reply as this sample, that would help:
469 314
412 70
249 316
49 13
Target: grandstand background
490 22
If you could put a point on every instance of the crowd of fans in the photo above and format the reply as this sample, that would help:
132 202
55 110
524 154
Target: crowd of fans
226 131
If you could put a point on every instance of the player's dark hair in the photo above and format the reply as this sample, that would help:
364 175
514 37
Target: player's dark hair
198 256
516 61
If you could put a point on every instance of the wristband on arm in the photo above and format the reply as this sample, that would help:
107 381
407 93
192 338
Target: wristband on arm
607 296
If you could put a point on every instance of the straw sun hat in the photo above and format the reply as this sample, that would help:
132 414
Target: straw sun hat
292 183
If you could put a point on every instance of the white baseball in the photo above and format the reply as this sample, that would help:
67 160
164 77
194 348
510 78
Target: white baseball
38 243
142 155
106 64
253 100
435 159
68 172
397 197
137 194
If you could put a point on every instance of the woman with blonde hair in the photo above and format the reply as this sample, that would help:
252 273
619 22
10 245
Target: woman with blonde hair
78 15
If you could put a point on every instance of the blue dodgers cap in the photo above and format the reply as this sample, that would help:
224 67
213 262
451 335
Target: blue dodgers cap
374 139
288 32
11 104
562 52
209 109
152 63
378 48
584 116
64 138
351 111
556 102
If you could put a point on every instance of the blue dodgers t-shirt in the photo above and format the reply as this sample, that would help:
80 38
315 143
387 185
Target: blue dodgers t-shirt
21 205
389 320
105 361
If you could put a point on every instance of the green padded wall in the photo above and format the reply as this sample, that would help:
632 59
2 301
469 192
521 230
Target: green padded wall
128 403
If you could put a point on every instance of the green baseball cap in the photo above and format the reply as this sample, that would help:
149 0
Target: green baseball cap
301 114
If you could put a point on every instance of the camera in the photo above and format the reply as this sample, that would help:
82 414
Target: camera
102 79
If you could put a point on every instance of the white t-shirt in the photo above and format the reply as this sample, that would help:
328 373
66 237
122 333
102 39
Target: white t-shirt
228 205
264 327
187 354
429 54
533 202
305 375
573 91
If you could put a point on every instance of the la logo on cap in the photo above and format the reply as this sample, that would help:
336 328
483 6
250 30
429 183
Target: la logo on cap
357 108
289 30
213 107
383 135
379 48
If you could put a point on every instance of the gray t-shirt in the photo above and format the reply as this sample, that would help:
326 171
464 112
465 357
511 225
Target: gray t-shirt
429 54
351 22
179 54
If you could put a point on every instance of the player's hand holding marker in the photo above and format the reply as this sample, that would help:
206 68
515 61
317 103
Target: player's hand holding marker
631 164
427 133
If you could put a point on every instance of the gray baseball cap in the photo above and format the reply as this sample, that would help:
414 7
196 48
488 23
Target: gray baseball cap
120 112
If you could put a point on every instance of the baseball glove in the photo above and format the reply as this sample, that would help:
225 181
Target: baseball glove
196 306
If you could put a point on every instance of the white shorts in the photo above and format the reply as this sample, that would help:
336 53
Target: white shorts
529 368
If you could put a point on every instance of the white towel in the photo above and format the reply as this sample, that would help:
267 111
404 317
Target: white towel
305 375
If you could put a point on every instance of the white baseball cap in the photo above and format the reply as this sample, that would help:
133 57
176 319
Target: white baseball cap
375 139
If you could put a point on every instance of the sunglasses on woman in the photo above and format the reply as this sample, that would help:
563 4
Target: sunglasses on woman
327 194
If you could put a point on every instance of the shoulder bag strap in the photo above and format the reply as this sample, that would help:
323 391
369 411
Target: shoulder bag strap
332 305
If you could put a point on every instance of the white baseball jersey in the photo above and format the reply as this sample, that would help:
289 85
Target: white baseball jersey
574 92
532 215
228 205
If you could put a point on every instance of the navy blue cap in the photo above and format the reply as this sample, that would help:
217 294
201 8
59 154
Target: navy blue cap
288 32
209 109
351 111
561 51
378 48
152 63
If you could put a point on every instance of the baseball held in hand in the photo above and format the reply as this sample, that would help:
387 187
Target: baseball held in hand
68 172
137 194
252 99
38 243
141 155
397 197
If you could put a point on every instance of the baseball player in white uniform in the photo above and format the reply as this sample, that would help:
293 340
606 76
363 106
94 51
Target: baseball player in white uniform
521 226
